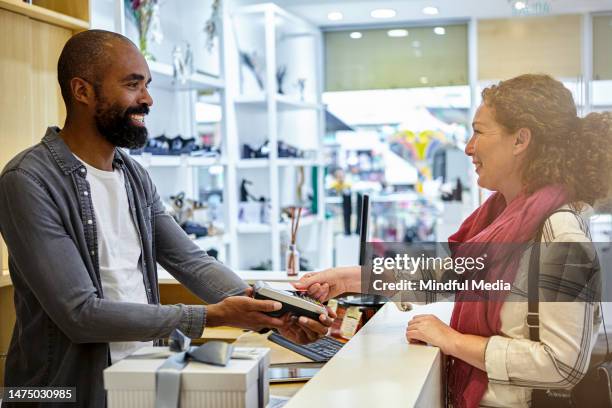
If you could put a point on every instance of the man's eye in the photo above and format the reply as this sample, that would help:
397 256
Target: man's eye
133 84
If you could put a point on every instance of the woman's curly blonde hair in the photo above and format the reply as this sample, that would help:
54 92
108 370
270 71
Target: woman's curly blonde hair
564 149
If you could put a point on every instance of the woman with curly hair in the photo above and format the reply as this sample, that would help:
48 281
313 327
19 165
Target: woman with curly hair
547 167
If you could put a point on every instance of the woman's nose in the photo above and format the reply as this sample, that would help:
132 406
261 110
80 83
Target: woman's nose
469 147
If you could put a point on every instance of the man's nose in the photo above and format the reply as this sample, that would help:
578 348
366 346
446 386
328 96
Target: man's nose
146 98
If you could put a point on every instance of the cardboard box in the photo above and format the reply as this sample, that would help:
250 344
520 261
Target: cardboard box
130 383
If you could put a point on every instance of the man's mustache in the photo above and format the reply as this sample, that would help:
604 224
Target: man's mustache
142 109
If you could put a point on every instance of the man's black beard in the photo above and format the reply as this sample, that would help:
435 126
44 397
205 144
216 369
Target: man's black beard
117 127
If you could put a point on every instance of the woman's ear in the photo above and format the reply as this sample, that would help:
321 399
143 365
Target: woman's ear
521 141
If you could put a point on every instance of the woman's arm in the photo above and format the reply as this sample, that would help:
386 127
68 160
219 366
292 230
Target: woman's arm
431 330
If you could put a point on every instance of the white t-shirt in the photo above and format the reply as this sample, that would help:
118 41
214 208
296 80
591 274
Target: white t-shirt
118 247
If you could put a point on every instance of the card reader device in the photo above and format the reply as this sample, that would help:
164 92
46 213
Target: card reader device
295 303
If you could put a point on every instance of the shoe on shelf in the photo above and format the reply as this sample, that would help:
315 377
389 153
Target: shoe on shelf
159 145
194 228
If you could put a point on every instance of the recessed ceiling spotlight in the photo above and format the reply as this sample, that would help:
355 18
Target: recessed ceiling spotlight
520 5
383 13
335 16
430 11
355 35
424 80
416 43
440 30
397 33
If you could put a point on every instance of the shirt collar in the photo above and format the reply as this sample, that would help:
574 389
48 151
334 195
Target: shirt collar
62 154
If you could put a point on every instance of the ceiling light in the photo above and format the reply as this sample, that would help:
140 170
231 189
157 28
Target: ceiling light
397 33
335 16
424 80
520 5
356 35
383 13
430 11
416 43
440 30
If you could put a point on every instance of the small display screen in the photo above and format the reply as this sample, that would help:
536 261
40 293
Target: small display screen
295 373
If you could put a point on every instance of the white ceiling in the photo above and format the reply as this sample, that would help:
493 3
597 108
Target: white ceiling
357 12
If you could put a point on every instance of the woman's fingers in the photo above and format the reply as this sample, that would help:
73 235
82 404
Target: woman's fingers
308 280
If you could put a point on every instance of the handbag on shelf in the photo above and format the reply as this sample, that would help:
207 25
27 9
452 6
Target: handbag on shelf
595 388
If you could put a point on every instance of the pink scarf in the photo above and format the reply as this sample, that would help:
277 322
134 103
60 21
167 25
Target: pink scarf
494 222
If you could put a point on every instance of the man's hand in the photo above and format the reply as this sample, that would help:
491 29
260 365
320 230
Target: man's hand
244 312
304 330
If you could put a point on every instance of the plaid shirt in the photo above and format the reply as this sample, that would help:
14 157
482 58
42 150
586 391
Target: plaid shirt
515 364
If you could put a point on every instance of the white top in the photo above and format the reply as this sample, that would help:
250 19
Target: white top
118 247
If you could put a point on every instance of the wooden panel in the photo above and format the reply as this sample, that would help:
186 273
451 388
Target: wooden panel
2 364
511 47
7 312
15 98
43 14
77 9
173 294
47 103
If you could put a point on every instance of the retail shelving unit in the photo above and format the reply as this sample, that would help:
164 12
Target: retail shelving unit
249 114
276 111
176 99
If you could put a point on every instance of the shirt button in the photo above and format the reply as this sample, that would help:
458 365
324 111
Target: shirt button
93 253
82 170
86 193
90 222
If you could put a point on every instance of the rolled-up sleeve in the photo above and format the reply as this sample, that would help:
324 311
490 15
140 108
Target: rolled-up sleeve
496 356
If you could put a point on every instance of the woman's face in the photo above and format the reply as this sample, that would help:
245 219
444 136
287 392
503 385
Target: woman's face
493 152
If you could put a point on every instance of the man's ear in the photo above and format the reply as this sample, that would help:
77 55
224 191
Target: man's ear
82 91
521 141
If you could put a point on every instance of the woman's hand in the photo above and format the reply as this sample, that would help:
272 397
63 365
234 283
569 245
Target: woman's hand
431 330
330 282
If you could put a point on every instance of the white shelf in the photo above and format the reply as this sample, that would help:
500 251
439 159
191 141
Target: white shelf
287 162
290 102
253 163
308 220
205 161
283 102
206 242
247 228
162 75
148 160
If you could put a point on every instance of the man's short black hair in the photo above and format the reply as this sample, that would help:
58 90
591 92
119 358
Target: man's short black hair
85 55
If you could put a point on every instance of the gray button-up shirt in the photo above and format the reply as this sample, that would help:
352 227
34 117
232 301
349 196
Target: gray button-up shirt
63 322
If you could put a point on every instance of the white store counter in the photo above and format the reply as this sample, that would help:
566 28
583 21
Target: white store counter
378 368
